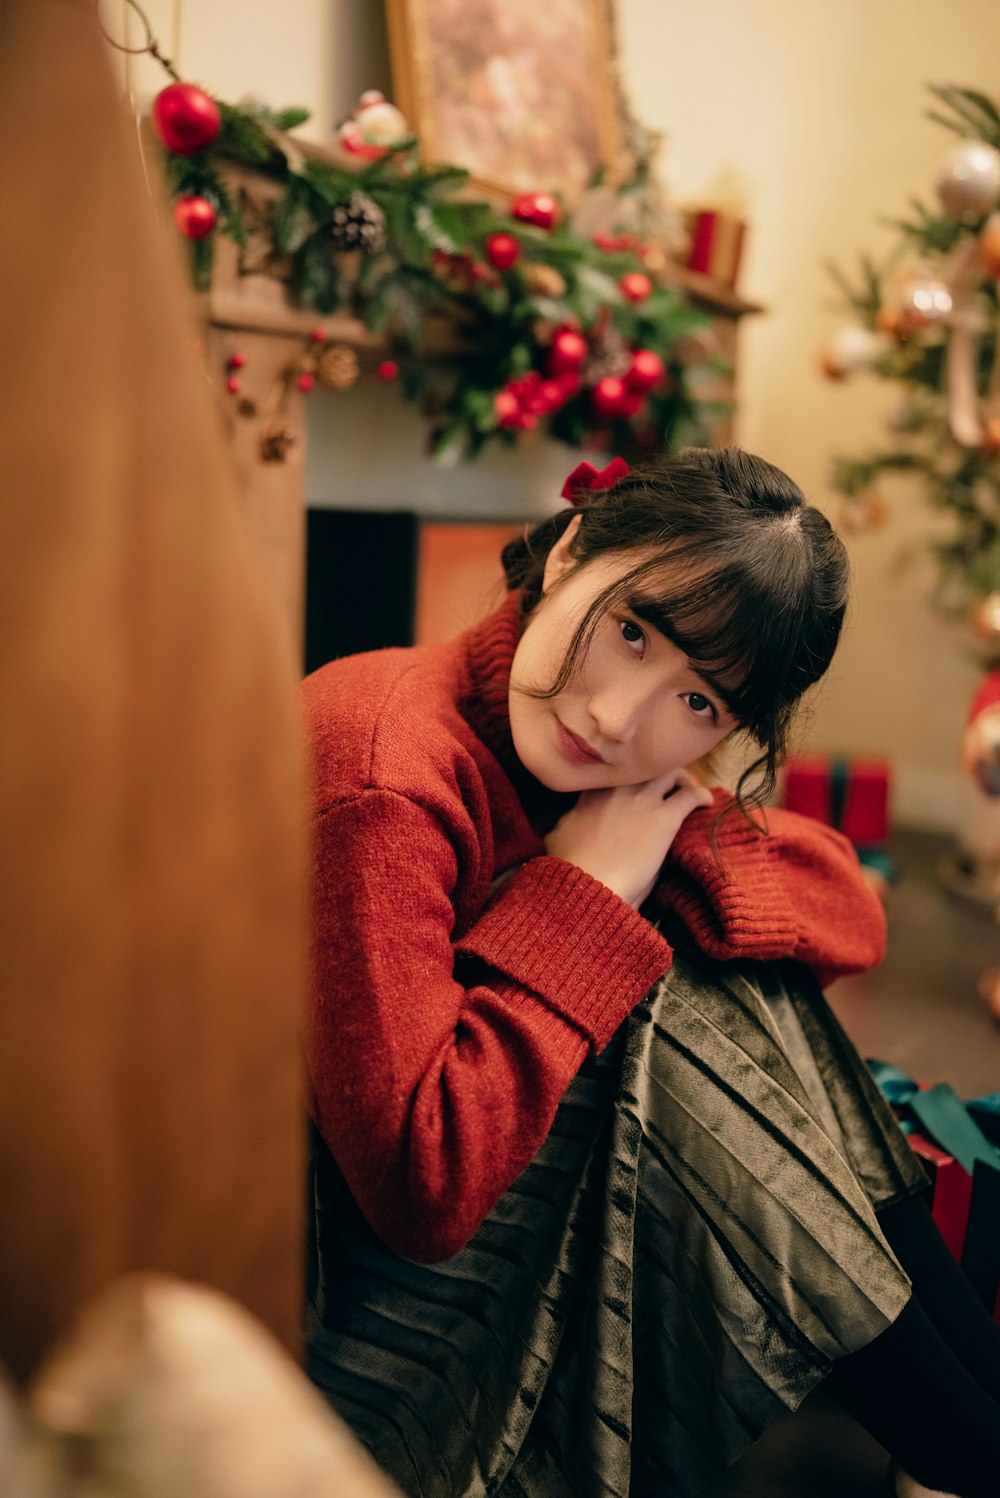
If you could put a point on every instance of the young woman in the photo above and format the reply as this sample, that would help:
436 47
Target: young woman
601 1188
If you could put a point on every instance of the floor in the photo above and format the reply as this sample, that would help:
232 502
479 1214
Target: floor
921 1010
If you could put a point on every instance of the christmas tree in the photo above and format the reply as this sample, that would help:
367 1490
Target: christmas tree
927 318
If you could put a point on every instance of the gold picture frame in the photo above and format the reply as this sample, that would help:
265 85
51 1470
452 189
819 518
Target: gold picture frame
522 94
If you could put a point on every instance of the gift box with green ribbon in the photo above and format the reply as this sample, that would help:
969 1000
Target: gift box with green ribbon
959 1144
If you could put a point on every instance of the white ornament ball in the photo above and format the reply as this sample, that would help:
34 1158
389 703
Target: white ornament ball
381 124
853 348
969 180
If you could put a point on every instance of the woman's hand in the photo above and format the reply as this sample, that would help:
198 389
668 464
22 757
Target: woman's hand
622 835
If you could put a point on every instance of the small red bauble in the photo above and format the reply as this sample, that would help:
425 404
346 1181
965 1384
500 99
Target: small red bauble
645 371
538 208
388 369
305 381
554 394
609 395
194 217
528 392
569 349
507 408
318 335
631 404
233 385
635 286
502 250
236 361
185 118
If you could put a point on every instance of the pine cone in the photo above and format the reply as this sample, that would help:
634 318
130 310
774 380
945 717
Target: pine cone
358 225
276 442
337 366
610 355
544 280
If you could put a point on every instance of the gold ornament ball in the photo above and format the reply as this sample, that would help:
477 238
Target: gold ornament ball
986 618
338 367
889 319
991 437
989 245
544 280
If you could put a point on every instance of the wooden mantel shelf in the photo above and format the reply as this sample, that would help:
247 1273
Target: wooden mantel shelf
253 313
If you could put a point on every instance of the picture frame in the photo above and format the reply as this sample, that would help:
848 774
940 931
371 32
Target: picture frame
523 95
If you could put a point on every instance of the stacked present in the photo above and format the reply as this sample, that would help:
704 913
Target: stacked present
959 1146
851 795
716 243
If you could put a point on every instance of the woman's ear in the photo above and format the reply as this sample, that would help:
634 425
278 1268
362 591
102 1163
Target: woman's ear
559 561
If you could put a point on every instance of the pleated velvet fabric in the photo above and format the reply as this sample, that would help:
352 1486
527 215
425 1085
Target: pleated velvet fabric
689 1251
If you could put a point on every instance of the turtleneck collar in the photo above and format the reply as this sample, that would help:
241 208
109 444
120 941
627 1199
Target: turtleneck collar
489 652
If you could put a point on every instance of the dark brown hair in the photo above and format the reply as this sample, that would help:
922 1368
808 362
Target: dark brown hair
731 564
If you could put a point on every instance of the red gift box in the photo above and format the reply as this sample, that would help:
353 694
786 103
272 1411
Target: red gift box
716 244
952 1191
852 795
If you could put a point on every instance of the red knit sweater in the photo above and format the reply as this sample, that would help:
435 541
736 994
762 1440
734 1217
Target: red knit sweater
449 1017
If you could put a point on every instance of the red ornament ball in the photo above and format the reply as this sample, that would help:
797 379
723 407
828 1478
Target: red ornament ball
387 370
553 394
569 349
306 381
635 286
185 118
233 385
318 335
236 361
538 208
502 251
194 217
645 371
507 408
609 395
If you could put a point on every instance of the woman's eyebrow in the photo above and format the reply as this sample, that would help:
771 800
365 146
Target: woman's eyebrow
650 612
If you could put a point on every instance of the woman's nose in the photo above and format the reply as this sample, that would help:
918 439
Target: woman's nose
615 714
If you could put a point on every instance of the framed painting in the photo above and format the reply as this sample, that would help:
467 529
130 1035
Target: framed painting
522 94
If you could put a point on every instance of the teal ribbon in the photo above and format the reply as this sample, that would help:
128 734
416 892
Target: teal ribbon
942 1115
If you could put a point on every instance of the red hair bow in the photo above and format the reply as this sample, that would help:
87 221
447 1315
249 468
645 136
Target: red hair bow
585 477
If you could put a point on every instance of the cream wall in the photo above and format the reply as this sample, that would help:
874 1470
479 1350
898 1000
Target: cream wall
816 112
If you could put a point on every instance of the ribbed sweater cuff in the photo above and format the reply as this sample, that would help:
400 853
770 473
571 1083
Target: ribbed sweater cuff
562 933
741 909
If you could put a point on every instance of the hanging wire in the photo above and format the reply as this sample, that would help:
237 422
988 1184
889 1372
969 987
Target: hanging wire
152 46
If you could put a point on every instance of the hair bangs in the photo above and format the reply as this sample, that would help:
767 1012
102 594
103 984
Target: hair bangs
730 631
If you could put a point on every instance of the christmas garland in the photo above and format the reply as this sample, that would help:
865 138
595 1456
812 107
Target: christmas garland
929 319
552 330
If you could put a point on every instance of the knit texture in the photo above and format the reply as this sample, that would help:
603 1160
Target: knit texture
461 975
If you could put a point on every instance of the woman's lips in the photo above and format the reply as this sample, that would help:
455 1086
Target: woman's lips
576 748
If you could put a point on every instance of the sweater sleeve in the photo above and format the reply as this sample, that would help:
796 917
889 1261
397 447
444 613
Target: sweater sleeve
794 891
437 1067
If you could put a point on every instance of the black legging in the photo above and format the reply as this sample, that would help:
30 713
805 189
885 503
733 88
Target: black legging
928 1388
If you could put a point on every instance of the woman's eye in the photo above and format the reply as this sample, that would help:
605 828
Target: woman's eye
631 633
700 705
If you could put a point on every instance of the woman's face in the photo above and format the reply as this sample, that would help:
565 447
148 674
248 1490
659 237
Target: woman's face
633 709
